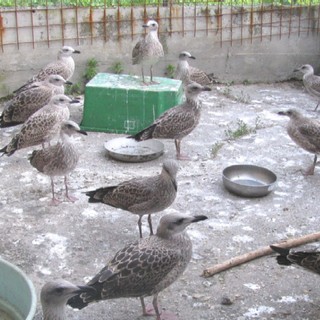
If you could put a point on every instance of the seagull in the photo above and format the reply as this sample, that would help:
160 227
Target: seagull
177 122
310 81
142 195
64 66
146 267
54 296
149 50
307 259
60 159
188 74
305 132
30 100
42 126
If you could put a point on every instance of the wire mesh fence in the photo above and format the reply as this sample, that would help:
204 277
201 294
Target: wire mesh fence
36 22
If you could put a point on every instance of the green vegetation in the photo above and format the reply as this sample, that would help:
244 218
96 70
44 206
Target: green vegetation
216 148
90 71
170 70
242 129
74 89
117 67
242 97
136 3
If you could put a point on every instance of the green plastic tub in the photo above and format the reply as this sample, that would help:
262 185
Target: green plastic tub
122 104
18 298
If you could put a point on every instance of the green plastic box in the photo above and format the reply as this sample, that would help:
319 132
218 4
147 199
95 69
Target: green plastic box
122 104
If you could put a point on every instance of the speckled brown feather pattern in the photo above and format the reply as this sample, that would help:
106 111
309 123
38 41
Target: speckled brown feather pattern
177 122
57 160
64 66
42 126
310 80
188 74
145 267
199 76
141 195
304 131
28 101
60 159
309 260
148 50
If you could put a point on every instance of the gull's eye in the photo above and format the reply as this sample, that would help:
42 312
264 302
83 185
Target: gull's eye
58 290
180 221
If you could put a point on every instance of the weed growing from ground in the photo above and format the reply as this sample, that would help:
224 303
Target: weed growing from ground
216 148
170 70
242 129
242 97
90 71
117 67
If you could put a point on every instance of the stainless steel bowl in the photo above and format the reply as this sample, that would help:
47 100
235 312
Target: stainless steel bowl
247 180
129 150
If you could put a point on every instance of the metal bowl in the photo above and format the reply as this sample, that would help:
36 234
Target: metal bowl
248 180
129 150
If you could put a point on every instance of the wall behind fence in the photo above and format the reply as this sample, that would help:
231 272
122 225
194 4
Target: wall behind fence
255 43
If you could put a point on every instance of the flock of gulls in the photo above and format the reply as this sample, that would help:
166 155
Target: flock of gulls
151 264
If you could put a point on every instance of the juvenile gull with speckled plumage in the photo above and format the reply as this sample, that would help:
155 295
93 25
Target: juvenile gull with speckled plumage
149 50
64 66
28 101
305 132
60 159
310 81
54 296
42 126
177 122
146 267
142 195
188 74
309 260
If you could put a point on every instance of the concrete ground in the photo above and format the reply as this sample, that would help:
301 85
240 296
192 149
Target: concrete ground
75 240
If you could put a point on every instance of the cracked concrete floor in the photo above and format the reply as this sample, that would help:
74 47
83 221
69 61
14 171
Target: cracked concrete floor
74 241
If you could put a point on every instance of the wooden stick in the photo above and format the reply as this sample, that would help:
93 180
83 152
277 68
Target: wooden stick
233 262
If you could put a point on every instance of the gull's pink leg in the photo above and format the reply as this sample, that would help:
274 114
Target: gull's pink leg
70 197
55 201
179 155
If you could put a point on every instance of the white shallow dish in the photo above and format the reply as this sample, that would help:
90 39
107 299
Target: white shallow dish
129 150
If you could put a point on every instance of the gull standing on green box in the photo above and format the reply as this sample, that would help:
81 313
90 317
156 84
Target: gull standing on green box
148 51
